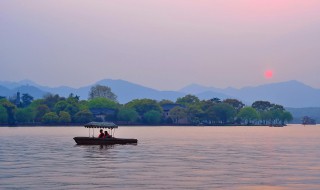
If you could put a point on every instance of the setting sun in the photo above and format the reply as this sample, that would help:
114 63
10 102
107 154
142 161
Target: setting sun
268 74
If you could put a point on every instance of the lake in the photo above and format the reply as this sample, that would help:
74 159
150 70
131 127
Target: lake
236 158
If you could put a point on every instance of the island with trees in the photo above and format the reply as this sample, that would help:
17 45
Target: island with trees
102 105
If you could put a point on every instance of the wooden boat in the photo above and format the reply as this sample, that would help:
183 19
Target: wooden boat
102 141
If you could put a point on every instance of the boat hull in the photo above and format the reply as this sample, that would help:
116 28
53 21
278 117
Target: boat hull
103 141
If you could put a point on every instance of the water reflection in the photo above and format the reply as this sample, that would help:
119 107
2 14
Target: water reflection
95 146
233 158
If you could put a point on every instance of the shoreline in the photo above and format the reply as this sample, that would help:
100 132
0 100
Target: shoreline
145 125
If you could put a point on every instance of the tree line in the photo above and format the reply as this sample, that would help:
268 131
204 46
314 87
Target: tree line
102 105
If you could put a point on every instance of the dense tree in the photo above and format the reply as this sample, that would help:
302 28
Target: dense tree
279 115
3 115
265 117
16 100
215 100
83 116
102 103
64 117
100 91
261 106
206 104
10 108
194 114
40 111
75 97
163 102
266 113
36 103
277 107
285 117
26 99
50 118
72 109
275 116
24 115
248 115
210 115
269 113
53 109
224 112
128 115
177 113
69 105
83 105
60 106
50 100
236 104
152 117
188 100
144 105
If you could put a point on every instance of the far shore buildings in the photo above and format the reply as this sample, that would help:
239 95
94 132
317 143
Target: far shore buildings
103 114
106 114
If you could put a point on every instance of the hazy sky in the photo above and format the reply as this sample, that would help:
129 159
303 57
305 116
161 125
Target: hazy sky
164 44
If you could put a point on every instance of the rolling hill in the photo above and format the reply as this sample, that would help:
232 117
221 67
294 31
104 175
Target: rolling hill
289 94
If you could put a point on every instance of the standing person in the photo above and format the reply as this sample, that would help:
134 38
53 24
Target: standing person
101 135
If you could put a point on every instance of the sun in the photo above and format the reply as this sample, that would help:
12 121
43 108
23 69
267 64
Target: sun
268 74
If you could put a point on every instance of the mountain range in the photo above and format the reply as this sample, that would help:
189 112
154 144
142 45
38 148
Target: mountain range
289 94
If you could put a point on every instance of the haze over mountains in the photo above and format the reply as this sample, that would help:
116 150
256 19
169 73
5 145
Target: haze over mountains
289 94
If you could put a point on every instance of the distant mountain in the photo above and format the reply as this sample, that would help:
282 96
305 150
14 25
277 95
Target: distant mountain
198 89
9 89
26 89
125 91
63 91
299 113
4 91
12 85
33 91
289 94
210 94
204 92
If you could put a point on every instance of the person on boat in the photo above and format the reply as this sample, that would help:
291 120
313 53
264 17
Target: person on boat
106 134
101 135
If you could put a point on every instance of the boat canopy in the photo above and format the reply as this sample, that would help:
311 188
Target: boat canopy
109 125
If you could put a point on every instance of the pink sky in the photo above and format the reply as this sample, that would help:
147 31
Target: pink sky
160 43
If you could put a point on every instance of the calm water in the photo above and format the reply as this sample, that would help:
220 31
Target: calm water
165 158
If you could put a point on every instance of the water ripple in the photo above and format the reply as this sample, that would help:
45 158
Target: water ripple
180 158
